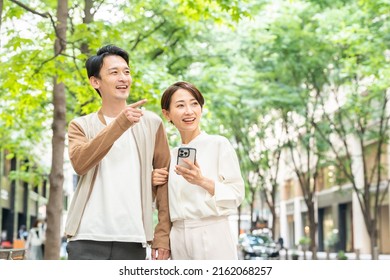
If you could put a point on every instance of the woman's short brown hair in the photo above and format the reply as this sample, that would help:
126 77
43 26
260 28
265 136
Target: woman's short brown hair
167 95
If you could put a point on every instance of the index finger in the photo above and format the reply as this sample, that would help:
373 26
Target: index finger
189 162
138 103
153 254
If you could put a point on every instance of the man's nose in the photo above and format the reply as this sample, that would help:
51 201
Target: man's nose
123 76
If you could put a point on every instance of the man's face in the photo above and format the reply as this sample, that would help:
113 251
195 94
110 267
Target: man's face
115 79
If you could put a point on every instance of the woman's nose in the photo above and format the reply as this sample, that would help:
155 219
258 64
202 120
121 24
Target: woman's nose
188 110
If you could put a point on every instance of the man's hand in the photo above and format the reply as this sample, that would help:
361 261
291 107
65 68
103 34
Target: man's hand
133 113
160 254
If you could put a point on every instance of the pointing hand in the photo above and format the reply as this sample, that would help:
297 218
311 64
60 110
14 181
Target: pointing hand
133 112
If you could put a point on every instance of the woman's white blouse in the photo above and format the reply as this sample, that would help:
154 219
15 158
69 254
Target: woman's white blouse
218 161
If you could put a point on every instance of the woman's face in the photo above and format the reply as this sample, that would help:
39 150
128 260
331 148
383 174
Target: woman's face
184 112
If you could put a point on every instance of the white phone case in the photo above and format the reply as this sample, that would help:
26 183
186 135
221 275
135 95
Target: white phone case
186 153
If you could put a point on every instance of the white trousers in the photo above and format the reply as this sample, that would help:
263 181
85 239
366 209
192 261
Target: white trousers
204 239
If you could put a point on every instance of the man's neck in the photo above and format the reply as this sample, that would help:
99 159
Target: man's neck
112 109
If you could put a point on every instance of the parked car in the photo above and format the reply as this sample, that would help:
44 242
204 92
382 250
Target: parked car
258 246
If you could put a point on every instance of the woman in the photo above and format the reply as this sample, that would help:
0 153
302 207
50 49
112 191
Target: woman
202 196
34 242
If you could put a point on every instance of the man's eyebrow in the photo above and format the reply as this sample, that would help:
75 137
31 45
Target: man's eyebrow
116 68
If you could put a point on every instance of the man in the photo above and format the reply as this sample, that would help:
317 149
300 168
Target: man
114 151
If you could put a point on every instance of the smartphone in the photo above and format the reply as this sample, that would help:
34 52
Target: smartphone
188 153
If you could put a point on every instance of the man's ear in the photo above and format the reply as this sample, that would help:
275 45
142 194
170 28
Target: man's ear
166 115
95 83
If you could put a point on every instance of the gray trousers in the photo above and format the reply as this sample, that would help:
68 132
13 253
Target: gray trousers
105 250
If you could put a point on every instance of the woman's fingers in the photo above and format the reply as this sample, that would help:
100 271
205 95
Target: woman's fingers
159 176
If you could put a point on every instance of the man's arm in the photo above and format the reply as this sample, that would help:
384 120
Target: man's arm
86 153
162 159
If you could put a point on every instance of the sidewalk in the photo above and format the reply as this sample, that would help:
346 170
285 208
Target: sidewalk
332 256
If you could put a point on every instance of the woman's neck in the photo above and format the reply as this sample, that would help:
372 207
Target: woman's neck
188 136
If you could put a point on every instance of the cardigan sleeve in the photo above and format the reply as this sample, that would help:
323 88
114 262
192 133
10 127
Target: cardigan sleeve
86 153
161 159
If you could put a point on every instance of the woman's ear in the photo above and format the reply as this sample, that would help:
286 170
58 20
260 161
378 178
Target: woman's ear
166 115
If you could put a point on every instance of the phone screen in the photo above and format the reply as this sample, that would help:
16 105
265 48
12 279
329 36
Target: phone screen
186 153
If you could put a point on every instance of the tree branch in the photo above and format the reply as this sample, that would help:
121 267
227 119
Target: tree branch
49 16
142 37
44 15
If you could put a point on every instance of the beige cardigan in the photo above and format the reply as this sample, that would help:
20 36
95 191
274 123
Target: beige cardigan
90 139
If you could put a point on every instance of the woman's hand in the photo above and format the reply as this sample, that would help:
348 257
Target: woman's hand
194 176
159 176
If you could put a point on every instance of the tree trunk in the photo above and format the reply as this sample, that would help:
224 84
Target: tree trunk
273 227
373 233
252 210
313 231
88 18
55 204
1 14
239 220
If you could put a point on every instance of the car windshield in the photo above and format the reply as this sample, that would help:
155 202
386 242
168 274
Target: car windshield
258 240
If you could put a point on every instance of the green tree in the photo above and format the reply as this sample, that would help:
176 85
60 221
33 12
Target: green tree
160 41
359 93
290 57
54 209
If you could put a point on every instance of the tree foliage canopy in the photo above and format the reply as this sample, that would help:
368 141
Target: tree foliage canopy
306 62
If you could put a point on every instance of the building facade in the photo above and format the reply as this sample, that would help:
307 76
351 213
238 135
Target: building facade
340 221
